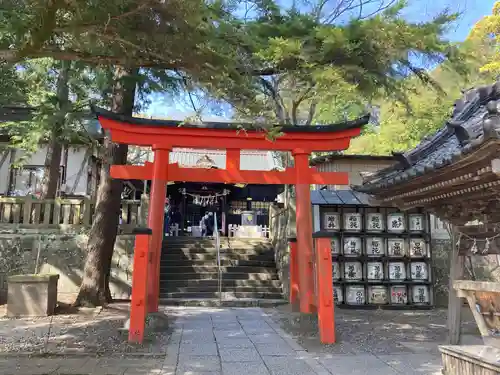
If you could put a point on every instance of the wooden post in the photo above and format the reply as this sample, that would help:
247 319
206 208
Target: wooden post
139 305
143 210
316 218
28 202
183 215
454 302
156 223
294 275
223 215
325 303
86 212
304 233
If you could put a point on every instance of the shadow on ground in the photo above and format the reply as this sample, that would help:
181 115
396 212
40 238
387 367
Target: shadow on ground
86 331
374 331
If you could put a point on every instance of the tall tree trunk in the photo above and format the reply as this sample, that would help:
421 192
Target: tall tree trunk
52 171
54 148
94 289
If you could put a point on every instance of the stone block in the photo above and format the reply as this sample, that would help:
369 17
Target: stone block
32 295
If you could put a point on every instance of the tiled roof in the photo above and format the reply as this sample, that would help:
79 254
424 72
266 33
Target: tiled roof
250 159
340 156
340 197
475 120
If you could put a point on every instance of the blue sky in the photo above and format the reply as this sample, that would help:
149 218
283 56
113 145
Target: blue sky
419 10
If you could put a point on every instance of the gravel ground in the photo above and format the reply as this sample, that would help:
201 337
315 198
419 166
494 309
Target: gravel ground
374 331
84 332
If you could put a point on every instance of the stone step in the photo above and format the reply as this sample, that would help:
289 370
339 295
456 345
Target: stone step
166 288
201 250
211 256
213 262
210 242
173 269
214 275
225 282
226 295
215 302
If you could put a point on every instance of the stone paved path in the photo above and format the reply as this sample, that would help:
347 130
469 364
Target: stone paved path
229 341
247 341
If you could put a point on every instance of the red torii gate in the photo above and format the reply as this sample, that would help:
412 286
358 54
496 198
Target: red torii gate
163 135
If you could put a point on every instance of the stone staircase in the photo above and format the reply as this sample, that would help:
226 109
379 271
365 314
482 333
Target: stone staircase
189 273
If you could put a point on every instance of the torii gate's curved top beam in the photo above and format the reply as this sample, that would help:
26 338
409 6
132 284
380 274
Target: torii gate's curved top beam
168 134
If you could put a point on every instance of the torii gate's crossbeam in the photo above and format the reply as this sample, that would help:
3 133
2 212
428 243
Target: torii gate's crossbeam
163 136
231 176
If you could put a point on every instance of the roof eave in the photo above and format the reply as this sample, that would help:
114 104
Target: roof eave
346 125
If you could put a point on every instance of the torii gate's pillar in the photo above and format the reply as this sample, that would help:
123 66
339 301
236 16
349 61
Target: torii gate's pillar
304 233
156 223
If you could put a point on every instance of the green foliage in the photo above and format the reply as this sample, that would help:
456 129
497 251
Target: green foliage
373 54
487 32
227 54
59 118
400 129
286 66
12 88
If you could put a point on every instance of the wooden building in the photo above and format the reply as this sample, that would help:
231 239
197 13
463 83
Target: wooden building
455 174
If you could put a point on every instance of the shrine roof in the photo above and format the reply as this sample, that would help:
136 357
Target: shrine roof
255 160
351 124
340 197
339 156
475 120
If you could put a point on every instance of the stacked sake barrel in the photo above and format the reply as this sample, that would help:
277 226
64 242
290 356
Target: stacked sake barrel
379 258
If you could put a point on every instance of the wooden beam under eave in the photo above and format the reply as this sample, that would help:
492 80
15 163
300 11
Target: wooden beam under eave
176 173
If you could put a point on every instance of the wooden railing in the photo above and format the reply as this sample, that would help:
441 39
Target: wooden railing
483 299
29 212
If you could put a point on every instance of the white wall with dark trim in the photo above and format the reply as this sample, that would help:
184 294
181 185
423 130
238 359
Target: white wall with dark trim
74 159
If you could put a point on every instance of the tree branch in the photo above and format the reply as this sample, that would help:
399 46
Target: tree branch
84 26
344 6
272 92
14 56
297 102
312 111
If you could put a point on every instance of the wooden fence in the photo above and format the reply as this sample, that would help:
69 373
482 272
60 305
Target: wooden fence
29 212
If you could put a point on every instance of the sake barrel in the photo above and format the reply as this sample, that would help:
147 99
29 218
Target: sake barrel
397 271
353 271
396 222
374 246
418 248
331 221
399 295
416 222
338 295
374 222
355 295
396 247
335 244
352 222
374 271
352 246
420 294
419 271
377 294
335 270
